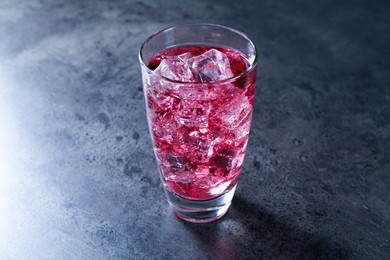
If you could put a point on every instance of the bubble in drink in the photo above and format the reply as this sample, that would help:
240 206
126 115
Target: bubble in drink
200 130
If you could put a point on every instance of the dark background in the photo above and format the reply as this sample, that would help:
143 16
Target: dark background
78 178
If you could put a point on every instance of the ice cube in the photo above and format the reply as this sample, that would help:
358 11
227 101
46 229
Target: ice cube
162 101
201 171
199 145
234 111
210 182
214 146
192 113
175 68
226 161
218 91
242 132
163 134
174 168
210 66
213 184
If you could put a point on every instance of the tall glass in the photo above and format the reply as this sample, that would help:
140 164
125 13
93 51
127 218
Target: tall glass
199 123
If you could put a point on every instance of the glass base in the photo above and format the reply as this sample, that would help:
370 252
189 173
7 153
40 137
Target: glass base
200 211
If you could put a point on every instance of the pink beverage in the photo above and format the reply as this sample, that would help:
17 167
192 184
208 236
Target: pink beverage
200 130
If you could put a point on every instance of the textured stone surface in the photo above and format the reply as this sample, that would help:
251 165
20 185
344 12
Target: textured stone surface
77 174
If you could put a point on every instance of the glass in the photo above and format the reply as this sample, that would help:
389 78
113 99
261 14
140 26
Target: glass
199 82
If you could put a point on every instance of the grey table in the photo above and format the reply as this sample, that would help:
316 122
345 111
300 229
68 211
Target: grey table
78 178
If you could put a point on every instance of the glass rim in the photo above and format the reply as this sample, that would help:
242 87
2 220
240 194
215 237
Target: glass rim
251 67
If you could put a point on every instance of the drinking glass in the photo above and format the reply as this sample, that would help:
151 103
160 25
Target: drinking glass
199 115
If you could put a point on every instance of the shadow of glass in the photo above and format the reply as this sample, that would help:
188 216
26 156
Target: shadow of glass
249 232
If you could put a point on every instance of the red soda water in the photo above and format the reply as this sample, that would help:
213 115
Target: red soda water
200 128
